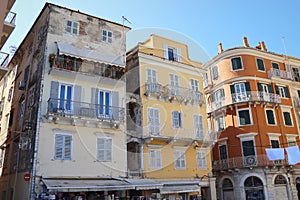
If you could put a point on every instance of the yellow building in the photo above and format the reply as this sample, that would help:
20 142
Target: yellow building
167 132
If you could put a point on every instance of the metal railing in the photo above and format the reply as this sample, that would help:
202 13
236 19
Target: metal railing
77 65
279 73
4 58
247 161
10 18
64 107
135 173
252 96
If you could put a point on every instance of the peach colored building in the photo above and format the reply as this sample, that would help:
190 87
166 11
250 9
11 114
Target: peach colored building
250 96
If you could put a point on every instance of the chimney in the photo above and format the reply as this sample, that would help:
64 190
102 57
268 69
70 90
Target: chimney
220 48
246 44
263 46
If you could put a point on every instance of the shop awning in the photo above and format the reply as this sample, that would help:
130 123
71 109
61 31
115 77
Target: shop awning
179 189
88 54
145 184
85 185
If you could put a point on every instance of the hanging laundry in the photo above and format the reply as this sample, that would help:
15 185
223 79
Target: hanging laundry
293 155
275 154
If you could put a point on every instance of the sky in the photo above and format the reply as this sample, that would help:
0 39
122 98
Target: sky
202 24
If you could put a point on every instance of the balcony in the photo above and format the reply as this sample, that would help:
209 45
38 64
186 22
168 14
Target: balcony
62 108
246 162
155 89
8 27
252 96
4 58
279 73
135 173
72 64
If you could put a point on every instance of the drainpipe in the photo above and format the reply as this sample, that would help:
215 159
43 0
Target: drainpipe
36 144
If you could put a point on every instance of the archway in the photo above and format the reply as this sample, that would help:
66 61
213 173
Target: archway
280 184
254 188
227 189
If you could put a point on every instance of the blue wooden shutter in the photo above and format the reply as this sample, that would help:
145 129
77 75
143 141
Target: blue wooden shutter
53 103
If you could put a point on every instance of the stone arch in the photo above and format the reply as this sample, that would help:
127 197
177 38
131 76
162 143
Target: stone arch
258 176
226 186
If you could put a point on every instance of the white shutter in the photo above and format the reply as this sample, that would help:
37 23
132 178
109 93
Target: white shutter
68 146
148 75
108 148
165 50
177 160
179 58
201 160
156 122
150 120
100 149
152 159
58 147
159 159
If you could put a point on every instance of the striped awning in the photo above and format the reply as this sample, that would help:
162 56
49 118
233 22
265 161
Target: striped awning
88 54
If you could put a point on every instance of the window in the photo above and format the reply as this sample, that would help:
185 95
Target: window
218 96
174 82
153 121
172 53
65 98
236 63
194 85
72 27
107 36
22 109
270 117
223 152
201 160
176 119
179 159
155 159
205 80
220 124
240 91
198 127
287 119
63 147
10 94
104 149
260 64
291 140
275 143
282 91
248 148
275 65
244 116
265 90
151 76
215 73
296 74
105 101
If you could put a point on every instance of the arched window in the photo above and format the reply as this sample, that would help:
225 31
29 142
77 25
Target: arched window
280 180
253 181
227 184
254 188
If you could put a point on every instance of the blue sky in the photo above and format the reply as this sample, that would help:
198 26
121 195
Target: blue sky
201 24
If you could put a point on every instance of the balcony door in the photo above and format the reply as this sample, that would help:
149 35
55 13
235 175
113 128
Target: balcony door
223 156
174 82
65 98
249 155
105 101
240 92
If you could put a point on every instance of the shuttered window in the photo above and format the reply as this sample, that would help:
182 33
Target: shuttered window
282 91
201 160
198 127
155 159
287 119
275 65
270 117
63 147
104 149
153 121
260 64
244 117
176 119
180 159
236 63
215 73
248 148
174 82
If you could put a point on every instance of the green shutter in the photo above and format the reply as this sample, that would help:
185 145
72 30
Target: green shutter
247 86
232 89
286 90
270 88
222 92
277 89
259 87
212 97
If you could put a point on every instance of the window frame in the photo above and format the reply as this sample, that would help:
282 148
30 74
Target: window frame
241 60
250 116
179 155
194 83
197 126
108 39
105 150
154 125
157 157
215 73
257 64
276 64
274 116
201 160
218 123
176 124
72 27
63 158
284 119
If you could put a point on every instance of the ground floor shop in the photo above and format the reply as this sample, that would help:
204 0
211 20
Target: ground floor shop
276 183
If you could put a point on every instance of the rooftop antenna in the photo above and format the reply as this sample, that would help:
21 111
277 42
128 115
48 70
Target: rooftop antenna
284 47
287 65
124 40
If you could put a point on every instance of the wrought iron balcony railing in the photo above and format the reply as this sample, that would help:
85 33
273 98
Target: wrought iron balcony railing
279 73
247 161
252 96
64 107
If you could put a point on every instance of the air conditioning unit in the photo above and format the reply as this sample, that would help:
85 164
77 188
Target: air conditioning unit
22 85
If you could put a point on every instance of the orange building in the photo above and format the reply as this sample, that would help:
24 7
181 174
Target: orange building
250 94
